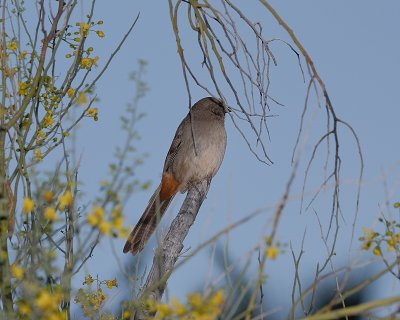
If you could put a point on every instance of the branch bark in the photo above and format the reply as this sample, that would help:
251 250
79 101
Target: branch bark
170 247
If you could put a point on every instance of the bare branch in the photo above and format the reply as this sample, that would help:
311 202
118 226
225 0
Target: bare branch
171 246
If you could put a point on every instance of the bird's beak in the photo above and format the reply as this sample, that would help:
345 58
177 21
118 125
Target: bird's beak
222 104
227 109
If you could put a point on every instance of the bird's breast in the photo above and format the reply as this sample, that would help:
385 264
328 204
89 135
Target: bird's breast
202 153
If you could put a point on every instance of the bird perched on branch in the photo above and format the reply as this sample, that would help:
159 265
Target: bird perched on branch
196 153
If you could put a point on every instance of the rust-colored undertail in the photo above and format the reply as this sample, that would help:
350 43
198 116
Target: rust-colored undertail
152 215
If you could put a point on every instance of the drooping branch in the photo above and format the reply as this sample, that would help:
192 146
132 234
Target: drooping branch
237 69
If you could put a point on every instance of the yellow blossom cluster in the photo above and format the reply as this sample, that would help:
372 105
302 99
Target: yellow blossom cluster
23 88
27 205
38 154
49 213
84 28
48 119
272 250
17 271
82 98
12 45
197 307
22 55
45 304
71 92
93 113
390 238
87 63
66 200
114 227
80 35
92 300
48 196
40 136
51 96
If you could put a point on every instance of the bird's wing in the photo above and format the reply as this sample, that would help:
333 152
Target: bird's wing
176 144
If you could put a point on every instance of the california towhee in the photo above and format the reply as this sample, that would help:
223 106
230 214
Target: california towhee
186 163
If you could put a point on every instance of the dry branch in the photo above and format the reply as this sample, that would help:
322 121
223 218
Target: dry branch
171 246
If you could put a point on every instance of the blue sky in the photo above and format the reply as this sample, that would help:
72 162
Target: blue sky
354 45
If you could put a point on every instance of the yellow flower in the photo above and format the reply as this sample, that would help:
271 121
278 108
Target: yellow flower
369 235
48 120
100 33
26 123
12 46
70 92
45 301
118 222
195 299
163 311
48 196
123 233
27 205
56 315
111 283
84 28
50 214
23 88
48 303
377 251
41 134
126 315
86 63
66 200
96 216
104 183
38 154
117 210
391 242
92 219
22 55
23 308
82 98
93 112
105 227
88 280
150 305
100 296
218 298
272 252
177 307
17 271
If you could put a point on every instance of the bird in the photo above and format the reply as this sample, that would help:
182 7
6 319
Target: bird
195 154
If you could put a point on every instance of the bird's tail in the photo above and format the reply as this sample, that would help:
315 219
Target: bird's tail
147 223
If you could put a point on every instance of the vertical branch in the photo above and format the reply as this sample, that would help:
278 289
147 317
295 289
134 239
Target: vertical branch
170 247
69 239
5 281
